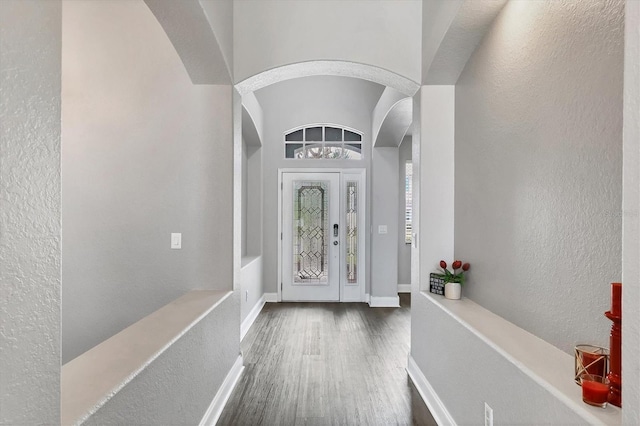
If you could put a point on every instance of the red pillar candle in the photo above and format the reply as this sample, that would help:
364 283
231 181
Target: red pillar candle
615 347
616 299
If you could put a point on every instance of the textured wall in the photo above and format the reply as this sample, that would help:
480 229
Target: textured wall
30 212
631 218
539 167
269 34
145 153
177 388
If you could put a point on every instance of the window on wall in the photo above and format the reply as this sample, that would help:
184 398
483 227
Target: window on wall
323 142
408 201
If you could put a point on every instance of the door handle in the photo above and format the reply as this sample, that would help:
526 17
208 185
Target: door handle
335 229
335 243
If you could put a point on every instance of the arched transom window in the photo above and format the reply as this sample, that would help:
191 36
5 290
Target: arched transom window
323 142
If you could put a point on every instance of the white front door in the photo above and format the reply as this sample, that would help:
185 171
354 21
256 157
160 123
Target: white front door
311 236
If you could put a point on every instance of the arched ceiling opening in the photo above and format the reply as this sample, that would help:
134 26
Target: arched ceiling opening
396 124
329 68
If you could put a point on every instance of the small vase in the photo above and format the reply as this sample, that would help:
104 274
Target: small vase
452 291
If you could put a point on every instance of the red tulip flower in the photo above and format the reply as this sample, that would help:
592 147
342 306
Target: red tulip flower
455 276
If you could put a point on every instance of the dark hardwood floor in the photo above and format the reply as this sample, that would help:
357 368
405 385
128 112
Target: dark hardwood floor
327 364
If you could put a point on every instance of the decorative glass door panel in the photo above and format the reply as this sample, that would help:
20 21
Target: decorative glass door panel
311 236
310 232
352 233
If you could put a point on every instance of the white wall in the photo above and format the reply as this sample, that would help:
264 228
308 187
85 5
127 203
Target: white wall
384 212
254 201
251 288
437 112
145 153
30 43
297 102
539 167
404 249
631 218
383 33
245 195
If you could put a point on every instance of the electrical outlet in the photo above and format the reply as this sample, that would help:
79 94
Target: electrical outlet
488 415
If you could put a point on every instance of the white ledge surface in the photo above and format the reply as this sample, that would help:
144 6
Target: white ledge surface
90 380
247 260
544 363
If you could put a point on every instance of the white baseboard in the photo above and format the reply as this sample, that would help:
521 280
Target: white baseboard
212 415
384 302
428 394
250 319
367 298
404 288
271 297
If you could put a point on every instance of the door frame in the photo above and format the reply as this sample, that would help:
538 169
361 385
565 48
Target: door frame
360 175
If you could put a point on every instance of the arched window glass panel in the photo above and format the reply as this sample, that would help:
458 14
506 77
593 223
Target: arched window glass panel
323 142
351 136
333 134
295 136
313 134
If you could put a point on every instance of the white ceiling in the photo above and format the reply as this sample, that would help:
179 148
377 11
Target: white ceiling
321 93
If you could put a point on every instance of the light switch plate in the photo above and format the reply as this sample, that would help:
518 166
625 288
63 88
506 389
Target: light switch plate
382 229
176 240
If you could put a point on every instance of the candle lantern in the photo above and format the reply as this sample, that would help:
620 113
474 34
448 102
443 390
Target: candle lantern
591 359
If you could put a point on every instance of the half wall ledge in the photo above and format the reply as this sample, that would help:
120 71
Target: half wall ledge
89 381
546 365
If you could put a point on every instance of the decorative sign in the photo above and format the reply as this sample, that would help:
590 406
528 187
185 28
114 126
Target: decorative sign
436 284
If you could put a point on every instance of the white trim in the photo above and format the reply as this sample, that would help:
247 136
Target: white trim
435 405
354 300
384 302
214 411
367 298
404 288
251 317
271 297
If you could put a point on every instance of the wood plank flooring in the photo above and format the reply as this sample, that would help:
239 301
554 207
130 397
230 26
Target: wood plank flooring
327 364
